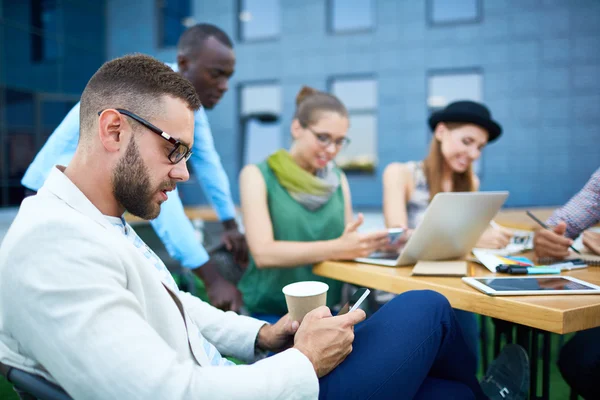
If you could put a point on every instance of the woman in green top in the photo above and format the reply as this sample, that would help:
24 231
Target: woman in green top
297 209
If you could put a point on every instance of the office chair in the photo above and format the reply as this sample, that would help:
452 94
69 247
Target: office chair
32 387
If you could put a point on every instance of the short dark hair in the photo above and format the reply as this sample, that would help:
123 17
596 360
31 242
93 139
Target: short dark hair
134 82
192 39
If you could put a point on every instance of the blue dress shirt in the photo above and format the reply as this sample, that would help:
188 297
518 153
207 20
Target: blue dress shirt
172 225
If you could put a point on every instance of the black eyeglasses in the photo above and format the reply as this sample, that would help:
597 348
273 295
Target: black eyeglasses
325 139
180 151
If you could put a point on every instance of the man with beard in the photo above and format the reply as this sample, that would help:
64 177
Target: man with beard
205 57
87 305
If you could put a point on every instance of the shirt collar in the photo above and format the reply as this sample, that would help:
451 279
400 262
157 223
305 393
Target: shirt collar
60 186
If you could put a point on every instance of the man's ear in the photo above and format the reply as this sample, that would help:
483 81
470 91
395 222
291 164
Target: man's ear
183 64
113 130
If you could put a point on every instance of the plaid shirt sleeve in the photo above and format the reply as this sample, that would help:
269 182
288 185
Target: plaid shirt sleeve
582 211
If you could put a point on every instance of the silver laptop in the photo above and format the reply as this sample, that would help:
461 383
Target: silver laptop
452 224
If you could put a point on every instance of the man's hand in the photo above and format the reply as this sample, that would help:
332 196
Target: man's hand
278 337
325 340
591 240
221 293
552 243
235 242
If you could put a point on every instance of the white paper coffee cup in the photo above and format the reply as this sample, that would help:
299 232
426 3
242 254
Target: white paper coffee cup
303 297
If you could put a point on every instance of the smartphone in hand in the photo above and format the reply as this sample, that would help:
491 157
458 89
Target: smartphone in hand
394 235
355 301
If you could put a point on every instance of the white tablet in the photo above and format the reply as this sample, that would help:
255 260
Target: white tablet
532 285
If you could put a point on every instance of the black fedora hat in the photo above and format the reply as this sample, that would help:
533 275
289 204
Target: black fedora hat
470 112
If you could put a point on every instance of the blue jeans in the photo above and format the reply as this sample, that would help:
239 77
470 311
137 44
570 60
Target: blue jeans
411 348
470 329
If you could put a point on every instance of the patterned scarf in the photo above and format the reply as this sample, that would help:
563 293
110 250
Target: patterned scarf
312 191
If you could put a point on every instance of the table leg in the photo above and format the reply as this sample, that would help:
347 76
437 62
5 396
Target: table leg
484 342
533 364
523 337
546 364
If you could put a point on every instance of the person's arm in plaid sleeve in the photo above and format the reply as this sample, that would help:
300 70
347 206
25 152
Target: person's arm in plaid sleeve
580 213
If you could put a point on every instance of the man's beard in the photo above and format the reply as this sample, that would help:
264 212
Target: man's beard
132 187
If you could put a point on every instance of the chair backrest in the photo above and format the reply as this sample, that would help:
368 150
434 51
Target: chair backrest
33 385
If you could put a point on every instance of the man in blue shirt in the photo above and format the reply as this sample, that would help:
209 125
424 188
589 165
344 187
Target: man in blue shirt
205 57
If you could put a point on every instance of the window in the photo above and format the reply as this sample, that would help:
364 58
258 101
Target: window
259 19
260 110
30 117
447 87
18 143
52 110
360 97
351 15
174 17
44 35
442 12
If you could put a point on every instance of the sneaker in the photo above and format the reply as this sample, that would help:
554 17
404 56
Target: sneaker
507 378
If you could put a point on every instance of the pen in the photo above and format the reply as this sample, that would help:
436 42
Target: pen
519 270
543 225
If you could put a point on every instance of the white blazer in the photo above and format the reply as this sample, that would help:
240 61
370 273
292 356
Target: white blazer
81 306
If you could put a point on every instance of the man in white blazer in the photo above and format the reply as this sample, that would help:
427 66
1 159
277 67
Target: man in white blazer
86 304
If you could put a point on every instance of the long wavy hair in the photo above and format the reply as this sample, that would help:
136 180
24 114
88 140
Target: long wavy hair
433 166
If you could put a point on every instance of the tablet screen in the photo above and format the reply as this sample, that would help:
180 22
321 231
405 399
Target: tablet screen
514 284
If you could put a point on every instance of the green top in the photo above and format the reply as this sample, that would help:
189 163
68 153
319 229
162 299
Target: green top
291 221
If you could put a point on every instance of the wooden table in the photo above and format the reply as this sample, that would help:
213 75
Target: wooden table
534 315
205 213
557 314
517 219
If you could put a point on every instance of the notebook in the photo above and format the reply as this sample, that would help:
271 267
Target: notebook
491 260
440 268
591 259
520 242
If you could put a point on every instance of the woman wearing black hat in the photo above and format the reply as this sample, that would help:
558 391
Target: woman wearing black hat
461 131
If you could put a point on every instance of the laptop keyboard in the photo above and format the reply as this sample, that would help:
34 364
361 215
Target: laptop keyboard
380 255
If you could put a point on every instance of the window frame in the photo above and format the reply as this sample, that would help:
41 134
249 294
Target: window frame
160 24
240 119
38 33
446 72
453 71
37 129
240 30
360 112
431 23
329 15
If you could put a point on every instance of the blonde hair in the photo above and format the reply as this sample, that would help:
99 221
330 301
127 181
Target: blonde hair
310 103
433 166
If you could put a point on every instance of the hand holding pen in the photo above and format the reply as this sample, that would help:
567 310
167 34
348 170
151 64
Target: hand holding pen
551 242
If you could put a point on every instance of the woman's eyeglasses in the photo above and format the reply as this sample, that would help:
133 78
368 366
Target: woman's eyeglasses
325 139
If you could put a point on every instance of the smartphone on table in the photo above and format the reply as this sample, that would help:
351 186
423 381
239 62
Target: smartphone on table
355 301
